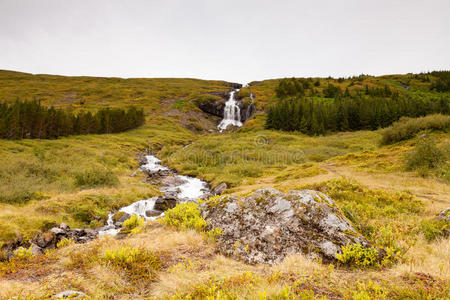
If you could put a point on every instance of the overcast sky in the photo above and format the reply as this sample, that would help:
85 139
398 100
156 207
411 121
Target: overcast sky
238 41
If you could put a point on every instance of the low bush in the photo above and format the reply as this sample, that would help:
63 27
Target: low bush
186 216
434 228
407 128
64 243
425 156
134 224
138 263
96 177
358 256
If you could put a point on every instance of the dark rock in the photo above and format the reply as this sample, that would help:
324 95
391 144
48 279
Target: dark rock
218 190
124 217
215 108
247 112
268 225
45 240
97 218
165 203
153 213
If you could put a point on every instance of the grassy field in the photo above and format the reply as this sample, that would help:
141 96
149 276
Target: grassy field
73 179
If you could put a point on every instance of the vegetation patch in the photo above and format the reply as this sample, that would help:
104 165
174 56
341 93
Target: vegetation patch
427 158
187 216
96 177
140 264
384 218
407 128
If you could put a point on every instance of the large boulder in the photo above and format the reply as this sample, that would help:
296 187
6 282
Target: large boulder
165 203
268 225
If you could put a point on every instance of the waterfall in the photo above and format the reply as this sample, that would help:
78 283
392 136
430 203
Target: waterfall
231 113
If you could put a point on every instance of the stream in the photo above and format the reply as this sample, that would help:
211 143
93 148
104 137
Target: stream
180 187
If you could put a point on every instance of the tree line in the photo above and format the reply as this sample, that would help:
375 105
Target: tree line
31 120
369 109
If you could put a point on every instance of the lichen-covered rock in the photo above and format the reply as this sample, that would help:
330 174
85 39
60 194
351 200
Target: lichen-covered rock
268 225
445 215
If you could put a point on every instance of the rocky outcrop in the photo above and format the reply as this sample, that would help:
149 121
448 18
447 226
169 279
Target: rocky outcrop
213 106
246 111
49 239
268 225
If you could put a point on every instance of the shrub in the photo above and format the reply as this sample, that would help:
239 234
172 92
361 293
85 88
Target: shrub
433 228
96 177
185 216
138 263
64 243
134 224
23 253
425 156
407 128
358 256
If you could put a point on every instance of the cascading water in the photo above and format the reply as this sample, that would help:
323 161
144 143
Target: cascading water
231 113
185 188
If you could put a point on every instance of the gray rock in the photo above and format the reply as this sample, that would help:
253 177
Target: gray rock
57 231
71 295
35 249
445 215
124 217
268 225
153 213
218 190
64 226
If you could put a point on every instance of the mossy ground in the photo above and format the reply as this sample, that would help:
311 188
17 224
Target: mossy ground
368 181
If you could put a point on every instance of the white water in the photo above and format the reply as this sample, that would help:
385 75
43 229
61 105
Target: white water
188 189
231 113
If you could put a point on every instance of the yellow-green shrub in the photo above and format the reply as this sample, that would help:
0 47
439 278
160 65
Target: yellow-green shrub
139 263
64 243
134 224
358 256
185 216
23 253
433 228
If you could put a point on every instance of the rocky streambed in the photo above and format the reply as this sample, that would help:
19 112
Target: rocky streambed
176 188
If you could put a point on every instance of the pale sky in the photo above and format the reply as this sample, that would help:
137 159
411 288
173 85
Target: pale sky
238 41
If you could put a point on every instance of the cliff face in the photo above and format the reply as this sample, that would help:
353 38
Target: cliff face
214 103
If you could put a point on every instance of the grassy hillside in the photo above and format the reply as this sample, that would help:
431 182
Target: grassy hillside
73 179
